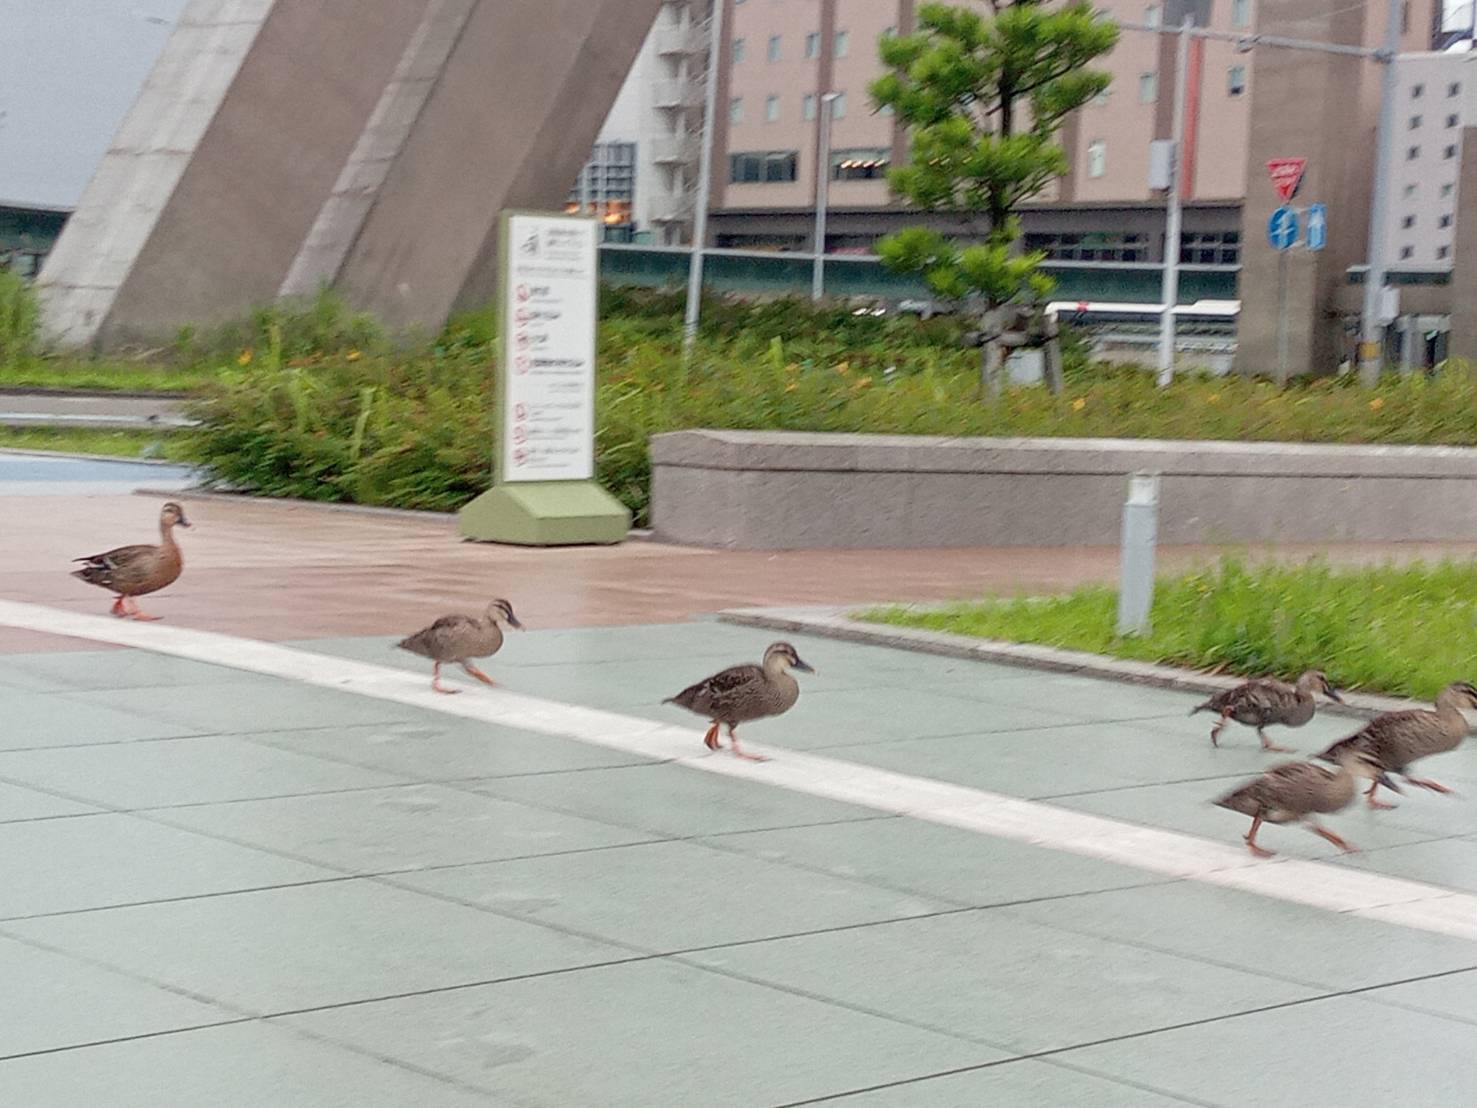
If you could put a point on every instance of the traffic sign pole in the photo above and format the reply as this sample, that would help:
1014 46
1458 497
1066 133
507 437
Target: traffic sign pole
1169 292
1371 332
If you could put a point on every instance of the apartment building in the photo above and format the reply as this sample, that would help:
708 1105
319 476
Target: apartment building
1435 104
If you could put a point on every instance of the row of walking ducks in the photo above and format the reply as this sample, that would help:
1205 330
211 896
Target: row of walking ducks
1383 749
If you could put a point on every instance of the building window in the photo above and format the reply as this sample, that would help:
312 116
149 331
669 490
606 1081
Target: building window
740 50
1408 192
1090 246
1097 158
843 43
1153 15
1415 122
1211 248
1444 221
1148 88
1101 98
865 164
771 109
1406 253
1417 91
1407 222
1240 14
889 32
838 106
1413 153
1405 17
1236 80
813 44
736 110
775 46
1447 189
1452 121
1443 251
1454 88
1449 153
807 106
763 166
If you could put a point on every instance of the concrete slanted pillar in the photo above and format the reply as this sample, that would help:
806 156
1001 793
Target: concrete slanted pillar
365 144
1463 342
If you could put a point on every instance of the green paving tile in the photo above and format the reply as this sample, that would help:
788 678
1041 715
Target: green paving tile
1085 697
444 748
1449 862
411 827
1332 950
17 803
113 669
51 1001
1343 1051
249 706
288 949
672 800
669 896
249 1065
935 861
655 1033
1023 1083
1002 979
1189 807
59 719
182 771
64 865
1453 995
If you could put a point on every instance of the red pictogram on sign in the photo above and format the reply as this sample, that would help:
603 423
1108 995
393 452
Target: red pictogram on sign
1287 175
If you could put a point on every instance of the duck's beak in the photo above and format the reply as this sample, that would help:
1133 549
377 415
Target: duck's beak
513 622
1333 694
801 666
1389 782
183 522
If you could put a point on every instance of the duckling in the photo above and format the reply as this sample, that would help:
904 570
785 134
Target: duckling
1265 701
1394 740
458 639
1295 791
745 692
132 571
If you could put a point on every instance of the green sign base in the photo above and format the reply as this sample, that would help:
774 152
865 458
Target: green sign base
546 513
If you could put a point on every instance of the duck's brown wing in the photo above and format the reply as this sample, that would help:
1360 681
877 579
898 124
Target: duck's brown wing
1261 700
1393 739
119 569
434 641
713 695
1293 787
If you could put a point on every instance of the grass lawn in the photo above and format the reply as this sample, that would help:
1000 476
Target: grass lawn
82 440
41 373
1407 630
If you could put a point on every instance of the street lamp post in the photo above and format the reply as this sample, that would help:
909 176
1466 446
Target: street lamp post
704 182
1169 292
822 197
1371 330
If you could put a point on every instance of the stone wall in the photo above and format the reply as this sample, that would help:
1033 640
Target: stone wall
768 490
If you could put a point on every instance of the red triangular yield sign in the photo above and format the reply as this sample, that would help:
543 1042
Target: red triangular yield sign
1286 174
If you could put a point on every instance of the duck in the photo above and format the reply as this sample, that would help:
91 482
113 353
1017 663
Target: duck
1295 791
1264 701
1394 740
457 639
743 693
133 571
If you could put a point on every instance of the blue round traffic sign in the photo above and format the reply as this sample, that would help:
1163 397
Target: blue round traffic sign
1282 228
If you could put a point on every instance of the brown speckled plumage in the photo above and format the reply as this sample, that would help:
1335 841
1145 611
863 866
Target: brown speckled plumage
457 639
743 693
1296 791
1266 701
137 570
1396 739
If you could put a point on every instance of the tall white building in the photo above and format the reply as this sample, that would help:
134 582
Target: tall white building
659 112
1436 97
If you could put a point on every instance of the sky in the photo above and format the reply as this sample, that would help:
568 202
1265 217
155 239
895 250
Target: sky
71 70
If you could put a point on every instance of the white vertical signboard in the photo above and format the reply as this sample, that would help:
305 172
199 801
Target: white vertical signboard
548 322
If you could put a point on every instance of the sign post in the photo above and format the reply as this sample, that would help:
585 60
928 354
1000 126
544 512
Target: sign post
1282 233
544 492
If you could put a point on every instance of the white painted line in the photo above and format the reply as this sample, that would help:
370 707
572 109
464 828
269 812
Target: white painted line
1319 885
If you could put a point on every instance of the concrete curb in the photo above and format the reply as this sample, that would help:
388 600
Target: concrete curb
89 457
836 623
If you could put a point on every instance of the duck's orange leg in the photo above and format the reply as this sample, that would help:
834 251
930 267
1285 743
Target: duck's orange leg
118 608
710 740
135 613
436 681
477 673
1259 851
734 746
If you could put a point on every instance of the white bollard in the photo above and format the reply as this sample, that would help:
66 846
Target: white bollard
1136 555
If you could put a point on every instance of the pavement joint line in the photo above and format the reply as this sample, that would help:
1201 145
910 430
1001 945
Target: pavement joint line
1411 904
